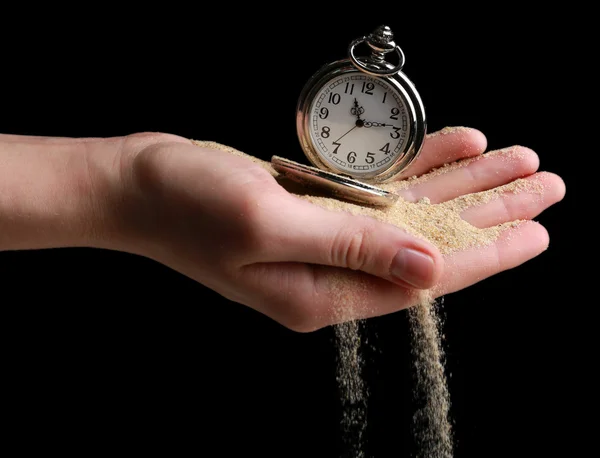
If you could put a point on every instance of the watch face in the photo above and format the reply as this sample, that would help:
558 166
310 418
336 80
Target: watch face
359 124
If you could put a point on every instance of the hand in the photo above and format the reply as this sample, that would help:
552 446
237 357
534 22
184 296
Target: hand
376 124
357 111
358 124
239 232
226 222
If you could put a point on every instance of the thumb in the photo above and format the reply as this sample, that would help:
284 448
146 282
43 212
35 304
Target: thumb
308 233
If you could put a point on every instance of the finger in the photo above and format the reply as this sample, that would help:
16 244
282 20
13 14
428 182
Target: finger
521 200
514 247
447 145
472 175
299 231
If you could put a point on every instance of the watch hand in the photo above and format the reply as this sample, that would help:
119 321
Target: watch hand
357 111
376 124
353 127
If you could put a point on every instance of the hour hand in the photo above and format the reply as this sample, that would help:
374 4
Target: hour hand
357 110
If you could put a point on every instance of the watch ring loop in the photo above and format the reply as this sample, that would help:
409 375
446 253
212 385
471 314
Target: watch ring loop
370 69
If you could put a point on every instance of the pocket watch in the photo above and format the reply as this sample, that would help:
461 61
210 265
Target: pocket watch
360 122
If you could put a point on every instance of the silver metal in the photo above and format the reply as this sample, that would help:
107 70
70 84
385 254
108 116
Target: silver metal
345 187
404 88
381 42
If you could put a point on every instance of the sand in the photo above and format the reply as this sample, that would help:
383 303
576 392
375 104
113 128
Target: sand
442 225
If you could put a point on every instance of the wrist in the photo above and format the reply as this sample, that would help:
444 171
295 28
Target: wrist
64 192
122 212
113 212
45 194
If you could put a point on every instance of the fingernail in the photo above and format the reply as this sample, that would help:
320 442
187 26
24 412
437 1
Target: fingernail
413 267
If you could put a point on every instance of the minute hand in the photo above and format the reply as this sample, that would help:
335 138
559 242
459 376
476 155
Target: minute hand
376 124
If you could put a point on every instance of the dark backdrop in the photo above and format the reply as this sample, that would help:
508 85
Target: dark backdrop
105 350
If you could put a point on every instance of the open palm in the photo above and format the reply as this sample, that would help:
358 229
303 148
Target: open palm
308 267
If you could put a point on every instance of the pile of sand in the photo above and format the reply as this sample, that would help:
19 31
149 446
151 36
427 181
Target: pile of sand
442 225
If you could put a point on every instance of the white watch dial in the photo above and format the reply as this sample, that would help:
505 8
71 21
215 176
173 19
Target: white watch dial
359 124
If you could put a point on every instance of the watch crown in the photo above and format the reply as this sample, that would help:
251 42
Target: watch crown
381 40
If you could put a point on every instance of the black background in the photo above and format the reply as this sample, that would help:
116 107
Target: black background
109 351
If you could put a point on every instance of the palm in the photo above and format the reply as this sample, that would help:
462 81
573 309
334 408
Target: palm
318 286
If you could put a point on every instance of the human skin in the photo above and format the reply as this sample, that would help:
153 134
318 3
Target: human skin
227 223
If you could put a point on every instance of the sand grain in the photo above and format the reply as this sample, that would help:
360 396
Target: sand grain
442 225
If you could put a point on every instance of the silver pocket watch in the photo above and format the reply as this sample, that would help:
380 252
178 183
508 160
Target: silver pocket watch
360 122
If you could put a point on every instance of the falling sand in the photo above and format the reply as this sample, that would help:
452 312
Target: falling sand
442 225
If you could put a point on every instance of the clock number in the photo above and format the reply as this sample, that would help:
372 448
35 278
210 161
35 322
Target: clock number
370 158
334 98
395 134
351 157
395 113
384 96
337 146
385 148
325 132
324 113
351 88
369 88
